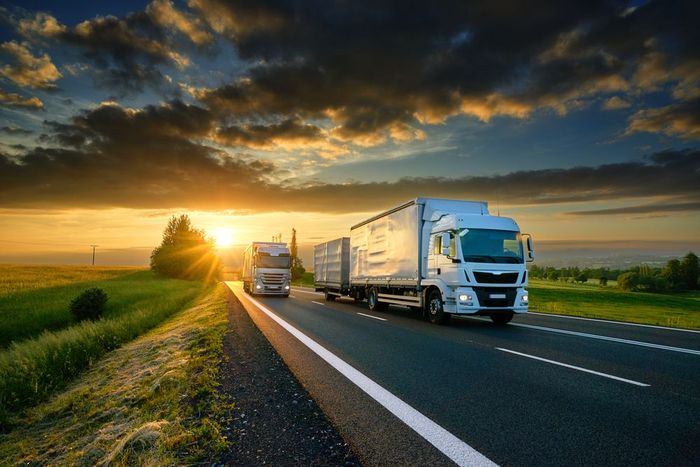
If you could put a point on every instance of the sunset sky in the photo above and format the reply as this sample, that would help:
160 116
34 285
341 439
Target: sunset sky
579 119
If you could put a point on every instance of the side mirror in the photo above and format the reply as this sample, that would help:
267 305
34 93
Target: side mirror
445 244
529 247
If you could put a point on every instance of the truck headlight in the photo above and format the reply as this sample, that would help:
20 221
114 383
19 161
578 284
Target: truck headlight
524 299
286 287
258 286
465 298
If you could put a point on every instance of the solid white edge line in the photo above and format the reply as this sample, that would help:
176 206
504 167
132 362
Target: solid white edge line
370 316
318 303
608 321
611 339
585 370
447 443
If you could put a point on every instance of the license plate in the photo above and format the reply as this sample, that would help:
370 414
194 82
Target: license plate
497 295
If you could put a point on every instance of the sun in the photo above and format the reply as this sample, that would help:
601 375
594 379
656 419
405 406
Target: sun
223 237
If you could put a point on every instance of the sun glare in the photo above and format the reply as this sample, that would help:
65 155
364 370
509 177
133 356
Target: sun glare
223 237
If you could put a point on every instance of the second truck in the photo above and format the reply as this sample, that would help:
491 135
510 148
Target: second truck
442 257
266 269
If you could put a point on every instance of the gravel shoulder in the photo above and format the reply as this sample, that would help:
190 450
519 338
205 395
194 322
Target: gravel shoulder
273 420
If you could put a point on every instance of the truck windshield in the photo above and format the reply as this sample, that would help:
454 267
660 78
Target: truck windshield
266 261
491 246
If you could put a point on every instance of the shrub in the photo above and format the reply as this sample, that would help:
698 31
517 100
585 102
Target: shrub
628 281
89 305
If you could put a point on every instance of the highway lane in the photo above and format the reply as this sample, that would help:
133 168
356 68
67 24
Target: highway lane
505 392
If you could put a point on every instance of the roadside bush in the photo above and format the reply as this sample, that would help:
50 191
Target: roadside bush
89 305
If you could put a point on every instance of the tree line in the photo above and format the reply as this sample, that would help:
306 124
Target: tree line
676 275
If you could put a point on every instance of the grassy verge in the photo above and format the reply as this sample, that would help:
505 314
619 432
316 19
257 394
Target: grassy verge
591 301
151 402
34 368
306 280
33 308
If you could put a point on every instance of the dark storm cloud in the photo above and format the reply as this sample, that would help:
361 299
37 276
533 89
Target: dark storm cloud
126 52
15 131
156 157
660 208
681 120
290 131
373 67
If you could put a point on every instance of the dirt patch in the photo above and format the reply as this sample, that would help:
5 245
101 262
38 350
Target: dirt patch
274 420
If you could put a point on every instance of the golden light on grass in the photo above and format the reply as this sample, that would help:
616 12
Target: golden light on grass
223 237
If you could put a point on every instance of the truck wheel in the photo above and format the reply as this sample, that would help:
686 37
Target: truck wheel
435 309
373 301
328 296
502 319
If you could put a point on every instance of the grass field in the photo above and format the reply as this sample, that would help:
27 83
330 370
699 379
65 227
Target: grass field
593 301
151 402
41 303
48 348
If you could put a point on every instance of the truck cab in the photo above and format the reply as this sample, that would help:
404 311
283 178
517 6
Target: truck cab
266 269
477 262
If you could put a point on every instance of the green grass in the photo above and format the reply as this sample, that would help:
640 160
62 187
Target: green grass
306 280
593 301
151 402
19 278
35 305
40 361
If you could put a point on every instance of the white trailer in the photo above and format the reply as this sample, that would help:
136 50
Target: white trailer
266 269
442 257
332 267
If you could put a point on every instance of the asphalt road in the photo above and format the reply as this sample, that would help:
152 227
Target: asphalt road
540 391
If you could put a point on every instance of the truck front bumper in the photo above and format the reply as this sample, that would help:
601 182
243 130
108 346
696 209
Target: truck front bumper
492 301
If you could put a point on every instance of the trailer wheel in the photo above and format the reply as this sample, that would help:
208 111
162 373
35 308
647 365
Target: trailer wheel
328 296
435 309
373 301
501 319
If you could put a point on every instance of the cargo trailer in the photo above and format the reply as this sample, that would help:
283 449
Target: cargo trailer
440 257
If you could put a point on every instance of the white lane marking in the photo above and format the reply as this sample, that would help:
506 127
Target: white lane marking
370 316
611 339
605 375
318 303
447 443
607 321
296 289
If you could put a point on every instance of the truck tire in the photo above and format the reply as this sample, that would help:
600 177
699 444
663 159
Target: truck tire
328 296
373 301
501 319
435 309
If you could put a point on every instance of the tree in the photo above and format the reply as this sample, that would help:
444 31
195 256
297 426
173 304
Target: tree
690 271
297 269
185 252
582 277
673 274
628 281
603 281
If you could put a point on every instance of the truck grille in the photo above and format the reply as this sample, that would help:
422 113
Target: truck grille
490 278
485 300
272 279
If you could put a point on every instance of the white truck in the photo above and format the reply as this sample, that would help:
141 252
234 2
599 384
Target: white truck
439 256
266 269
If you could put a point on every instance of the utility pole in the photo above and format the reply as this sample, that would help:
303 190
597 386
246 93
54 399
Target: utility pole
93 253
